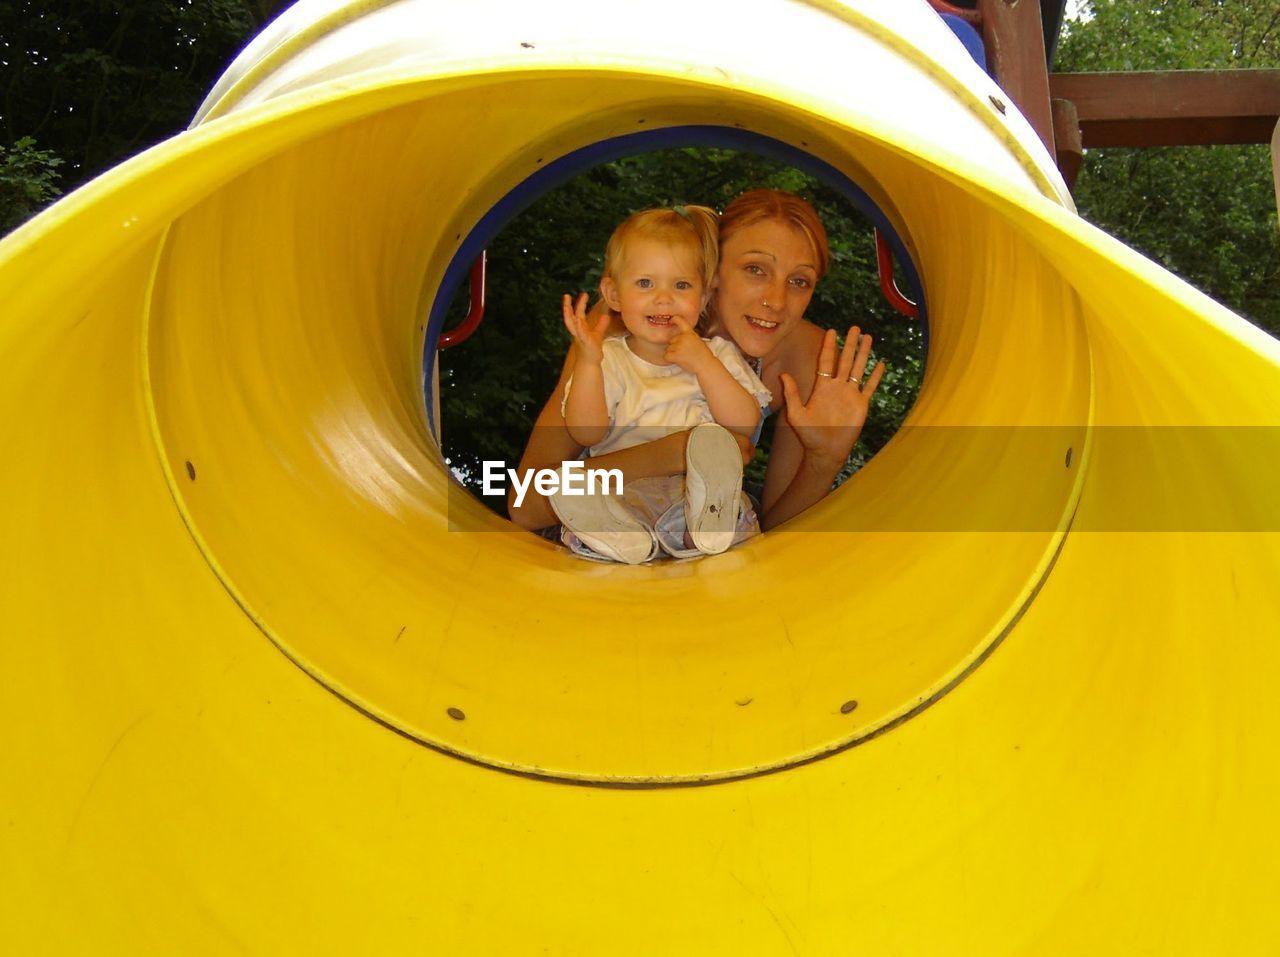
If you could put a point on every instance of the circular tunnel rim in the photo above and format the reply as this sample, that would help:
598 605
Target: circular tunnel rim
897 716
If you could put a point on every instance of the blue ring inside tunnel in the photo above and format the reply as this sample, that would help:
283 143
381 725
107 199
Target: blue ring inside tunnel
579 161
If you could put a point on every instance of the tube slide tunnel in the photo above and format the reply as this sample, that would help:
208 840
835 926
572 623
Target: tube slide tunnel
273 686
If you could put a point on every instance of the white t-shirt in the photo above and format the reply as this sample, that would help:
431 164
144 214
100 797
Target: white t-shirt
647 401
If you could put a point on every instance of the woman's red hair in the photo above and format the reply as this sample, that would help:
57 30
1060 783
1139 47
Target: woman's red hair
758 205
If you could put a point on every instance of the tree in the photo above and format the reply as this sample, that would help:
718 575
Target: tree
1206 213
28 178
86 84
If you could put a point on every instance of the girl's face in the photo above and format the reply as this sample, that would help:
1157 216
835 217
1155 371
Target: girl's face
657 282
764 284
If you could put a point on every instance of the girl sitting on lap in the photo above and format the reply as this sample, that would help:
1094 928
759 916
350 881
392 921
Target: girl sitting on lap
658 378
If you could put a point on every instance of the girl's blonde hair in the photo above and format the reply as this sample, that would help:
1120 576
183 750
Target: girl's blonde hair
695 226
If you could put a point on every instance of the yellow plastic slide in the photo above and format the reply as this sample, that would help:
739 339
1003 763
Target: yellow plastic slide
272 686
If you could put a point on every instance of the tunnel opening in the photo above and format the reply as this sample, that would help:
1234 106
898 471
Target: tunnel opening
547 237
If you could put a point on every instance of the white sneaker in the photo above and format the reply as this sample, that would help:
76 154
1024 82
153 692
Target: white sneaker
605 526
712 487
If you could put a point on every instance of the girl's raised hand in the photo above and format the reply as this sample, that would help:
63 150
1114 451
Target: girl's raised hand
828 424
589 336
686 348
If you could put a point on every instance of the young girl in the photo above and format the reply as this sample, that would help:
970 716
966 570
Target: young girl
658 378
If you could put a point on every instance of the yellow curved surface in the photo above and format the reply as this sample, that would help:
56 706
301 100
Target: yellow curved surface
241 600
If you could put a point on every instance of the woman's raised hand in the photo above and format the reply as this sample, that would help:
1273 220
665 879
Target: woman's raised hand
589 336
829 423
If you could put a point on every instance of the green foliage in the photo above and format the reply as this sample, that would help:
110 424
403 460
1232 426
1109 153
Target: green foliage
96 81
1207 214
28 179
493 386
1171 35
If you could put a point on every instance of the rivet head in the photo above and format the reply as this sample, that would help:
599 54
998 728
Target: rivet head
997 103
456 714
848 706
1068 462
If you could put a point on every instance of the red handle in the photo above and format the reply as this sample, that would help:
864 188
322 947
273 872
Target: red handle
462 332
884 263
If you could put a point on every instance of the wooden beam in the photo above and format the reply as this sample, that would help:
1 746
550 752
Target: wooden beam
1066 136
1178 108
1013 33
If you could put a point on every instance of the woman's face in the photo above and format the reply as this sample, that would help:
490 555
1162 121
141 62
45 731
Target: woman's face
763 284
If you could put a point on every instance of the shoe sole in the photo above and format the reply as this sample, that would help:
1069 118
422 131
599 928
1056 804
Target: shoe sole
605 527
713 488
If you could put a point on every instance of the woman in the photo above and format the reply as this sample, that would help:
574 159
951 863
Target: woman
773 250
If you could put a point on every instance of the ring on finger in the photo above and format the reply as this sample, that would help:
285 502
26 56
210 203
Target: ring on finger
854 378
827 375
